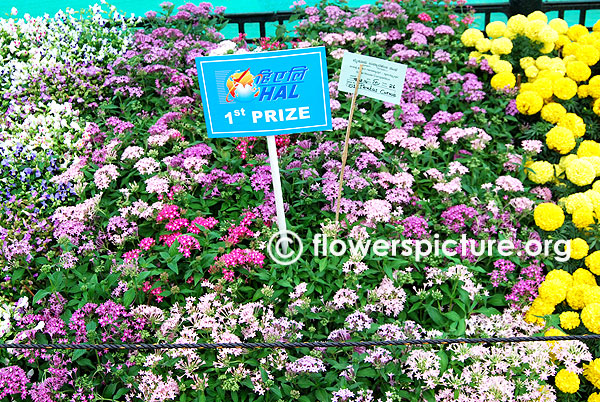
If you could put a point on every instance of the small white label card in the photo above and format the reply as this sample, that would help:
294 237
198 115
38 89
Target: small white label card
380 79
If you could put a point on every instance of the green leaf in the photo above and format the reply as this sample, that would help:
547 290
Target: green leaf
322 395
40 295
128 297
435 315
110 390
78 353
120 393
173 266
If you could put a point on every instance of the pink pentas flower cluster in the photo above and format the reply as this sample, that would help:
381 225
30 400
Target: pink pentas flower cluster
168 212
242 257
131 255
237 233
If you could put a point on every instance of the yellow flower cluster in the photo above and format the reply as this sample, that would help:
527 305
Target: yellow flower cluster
552 292
548 216
567 381
578 291
552 79
561 86
592 372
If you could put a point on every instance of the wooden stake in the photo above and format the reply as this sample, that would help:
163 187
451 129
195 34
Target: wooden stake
345 154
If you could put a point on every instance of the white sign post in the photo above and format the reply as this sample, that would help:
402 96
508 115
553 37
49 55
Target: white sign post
277 191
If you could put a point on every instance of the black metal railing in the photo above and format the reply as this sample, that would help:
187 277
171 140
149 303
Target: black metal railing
486 9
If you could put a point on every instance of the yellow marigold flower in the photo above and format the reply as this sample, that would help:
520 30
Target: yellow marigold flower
510 34
592 194
596 27
541 307
502 66
560 139
568 59
562 41
576 31
591 295
592 261
590 316
541 172
548 216
588 148
529 102
565 160
595 397
525 62
543 62
491 58
503 80
592 372
587 54
596 106
553 291
538 16
551 74
517 23
557 64
527 86
552 112
531 72
582 91
595 161
579 248
576 296
577 201
565 88
578 71
581 172
547 48
560 275
470 37
475 55
587 39
574 123
501 46
483 45
495 29
533 28
569 320
553 332
543 86
570 49
594 86
547 35
567 381
559 25
582 276
582 218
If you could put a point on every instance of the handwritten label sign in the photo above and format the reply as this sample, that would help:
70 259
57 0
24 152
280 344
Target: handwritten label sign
380 79
256 94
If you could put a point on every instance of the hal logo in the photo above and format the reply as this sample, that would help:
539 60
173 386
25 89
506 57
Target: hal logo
267 85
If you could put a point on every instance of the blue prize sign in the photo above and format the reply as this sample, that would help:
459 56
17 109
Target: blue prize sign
268 93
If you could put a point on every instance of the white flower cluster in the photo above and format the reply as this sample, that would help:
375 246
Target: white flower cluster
36 53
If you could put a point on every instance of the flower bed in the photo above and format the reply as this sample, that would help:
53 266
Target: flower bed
121 222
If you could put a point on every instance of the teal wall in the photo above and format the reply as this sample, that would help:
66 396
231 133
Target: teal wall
139 7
